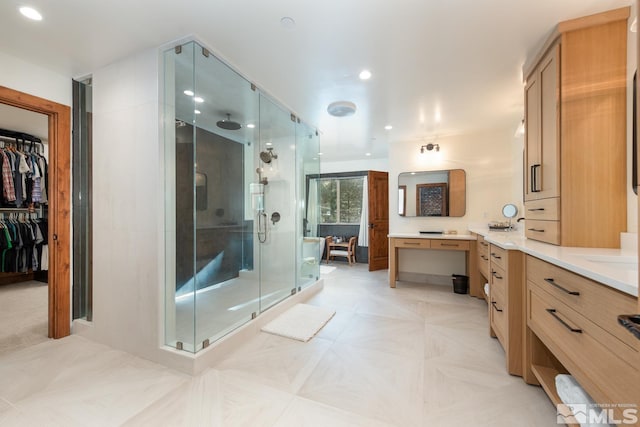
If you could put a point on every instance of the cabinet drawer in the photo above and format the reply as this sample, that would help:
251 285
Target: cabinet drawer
600 363
453 245
498 281
545 209
499 313
498 256
595 301
483 245
413 243
544 231
483 265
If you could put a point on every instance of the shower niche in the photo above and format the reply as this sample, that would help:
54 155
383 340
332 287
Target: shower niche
235 194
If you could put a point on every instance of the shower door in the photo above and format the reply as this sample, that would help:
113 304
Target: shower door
276 246
212 287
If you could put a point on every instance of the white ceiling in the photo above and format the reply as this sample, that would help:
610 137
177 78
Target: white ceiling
459 58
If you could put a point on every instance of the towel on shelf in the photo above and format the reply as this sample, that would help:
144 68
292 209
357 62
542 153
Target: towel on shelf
577 399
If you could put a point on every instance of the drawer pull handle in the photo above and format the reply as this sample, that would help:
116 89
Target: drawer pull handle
484 257
536 230
536 209
552 311
496 275
631 322
454 245
493 254
412 243
493 303
484 243
553 282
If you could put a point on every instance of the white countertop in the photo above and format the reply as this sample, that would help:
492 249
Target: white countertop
615 268
433 236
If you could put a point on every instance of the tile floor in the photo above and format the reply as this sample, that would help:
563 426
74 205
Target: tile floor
23 315
417 355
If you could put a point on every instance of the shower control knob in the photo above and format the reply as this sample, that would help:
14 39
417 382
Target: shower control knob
275 217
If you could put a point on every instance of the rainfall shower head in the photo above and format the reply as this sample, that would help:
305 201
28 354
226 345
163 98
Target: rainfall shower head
268 156
228 124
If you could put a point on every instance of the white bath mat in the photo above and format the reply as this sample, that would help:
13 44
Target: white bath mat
301 322
326 269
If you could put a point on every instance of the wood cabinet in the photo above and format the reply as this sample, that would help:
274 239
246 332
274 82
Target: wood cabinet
506 293
575 139
572 327
483 262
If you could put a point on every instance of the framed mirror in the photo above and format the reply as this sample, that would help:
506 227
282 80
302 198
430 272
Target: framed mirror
432 193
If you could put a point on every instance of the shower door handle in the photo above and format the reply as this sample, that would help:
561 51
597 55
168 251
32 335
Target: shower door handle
262 227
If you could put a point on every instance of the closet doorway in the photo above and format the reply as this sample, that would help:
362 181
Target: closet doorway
58 191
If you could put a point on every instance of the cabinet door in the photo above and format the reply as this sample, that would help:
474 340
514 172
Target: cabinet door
548 173
542 101
532 134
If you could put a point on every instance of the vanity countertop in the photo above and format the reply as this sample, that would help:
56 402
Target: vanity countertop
615 268
433 236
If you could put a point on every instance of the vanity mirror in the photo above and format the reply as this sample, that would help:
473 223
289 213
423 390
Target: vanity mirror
432 193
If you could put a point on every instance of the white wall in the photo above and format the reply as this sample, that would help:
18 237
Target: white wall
354 165
34 80
488 160
128 206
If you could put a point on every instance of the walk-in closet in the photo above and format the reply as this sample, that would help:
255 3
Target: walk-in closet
24 246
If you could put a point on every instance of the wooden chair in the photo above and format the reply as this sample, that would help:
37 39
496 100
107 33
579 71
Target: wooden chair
343 249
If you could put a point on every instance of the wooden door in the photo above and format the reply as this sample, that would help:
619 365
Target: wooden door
59 204
378 220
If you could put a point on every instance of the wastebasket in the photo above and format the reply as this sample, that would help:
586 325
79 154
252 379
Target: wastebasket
460 283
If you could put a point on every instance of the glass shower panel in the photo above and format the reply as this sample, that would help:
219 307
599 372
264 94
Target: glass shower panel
179 183
309 246
276 222
227 288
236 199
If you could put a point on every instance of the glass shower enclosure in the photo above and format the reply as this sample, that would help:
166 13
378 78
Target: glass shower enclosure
236 198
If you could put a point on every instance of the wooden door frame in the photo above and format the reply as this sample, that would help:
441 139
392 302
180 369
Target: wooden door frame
58 191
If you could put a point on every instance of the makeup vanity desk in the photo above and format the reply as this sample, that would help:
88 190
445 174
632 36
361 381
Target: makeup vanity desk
444 242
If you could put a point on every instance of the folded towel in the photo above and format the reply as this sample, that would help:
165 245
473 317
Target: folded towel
486 289
577 399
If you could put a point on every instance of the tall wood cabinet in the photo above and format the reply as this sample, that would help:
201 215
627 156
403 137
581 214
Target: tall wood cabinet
575 141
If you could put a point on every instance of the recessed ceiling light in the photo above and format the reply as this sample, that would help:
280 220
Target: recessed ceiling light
196 111
30 13
365 75
250 125
388 127
269 144
367 154
288 23
188 92
198 99
320 154
341 108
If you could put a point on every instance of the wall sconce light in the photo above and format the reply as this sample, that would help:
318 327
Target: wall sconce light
429 147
